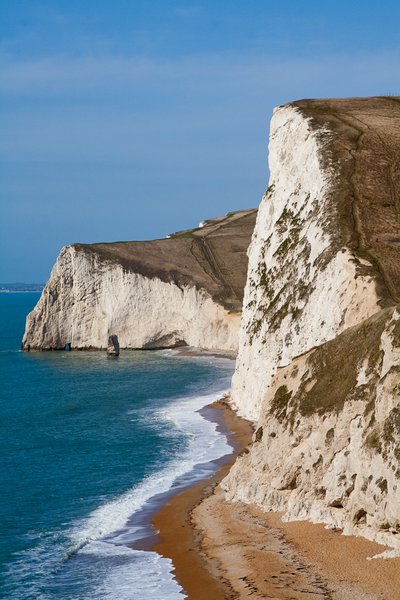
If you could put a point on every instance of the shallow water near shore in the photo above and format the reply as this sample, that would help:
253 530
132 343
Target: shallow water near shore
86 443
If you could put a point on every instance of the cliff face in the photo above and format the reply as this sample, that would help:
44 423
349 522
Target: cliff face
186 289
318 363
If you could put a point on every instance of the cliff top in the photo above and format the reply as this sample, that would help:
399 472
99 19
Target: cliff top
212 256
361 140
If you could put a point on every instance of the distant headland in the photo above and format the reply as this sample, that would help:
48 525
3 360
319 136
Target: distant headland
21 287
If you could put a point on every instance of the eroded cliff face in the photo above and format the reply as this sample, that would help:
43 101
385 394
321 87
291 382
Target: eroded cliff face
326 447
305 283
318 367
183 290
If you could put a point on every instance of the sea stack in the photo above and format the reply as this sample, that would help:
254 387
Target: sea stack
113 346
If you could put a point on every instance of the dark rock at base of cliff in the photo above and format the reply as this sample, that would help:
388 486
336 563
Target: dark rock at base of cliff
113 346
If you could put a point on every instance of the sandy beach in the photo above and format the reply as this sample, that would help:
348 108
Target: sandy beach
180 540
231 551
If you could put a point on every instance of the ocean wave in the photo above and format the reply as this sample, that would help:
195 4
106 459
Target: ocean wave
138 576
98 557
204 445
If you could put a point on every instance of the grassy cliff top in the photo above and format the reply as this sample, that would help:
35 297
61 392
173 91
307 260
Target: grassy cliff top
212 257
361 144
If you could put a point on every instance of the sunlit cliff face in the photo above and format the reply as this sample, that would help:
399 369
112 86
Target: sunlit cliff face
318 361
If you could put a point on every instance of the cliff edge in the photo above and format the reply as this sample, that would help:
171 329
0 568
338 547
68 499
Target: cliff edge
318 366
183 290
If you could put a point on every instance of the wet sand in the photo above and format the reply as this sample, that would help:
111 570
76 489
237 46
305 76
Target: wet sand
180 541
231 551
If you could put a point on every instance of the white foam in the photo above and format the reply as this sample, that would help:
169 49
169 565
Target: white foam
140 576
150 576
205 444
108 569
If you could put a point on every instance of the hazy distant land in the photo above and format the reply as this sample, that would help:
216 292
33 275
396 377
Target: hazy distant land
21 287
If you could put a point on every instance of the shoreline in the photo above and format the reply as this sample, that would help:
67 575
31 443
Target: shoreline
202 352
227 551
178 539
199 475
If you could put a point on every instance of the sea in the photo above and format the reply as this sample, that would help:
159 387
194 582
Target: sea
89 446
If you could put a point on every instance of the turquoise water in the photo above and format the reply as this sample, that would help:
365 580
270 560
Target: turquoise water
85 442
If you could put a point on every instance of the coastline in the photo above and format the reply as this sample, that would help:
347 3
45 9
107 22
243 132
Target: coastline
227 551
178 538
191 351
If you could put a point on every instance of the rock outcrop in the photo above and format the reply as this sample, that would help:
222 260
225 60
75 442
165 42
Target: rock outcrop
113 346
184 290
318 367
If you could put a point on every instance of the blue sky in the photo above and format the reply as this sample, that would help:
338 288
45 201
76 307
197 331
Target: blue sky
129 119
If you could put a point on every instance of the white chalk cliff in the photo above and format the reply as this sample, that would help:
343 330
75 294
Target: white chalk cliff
318 367
186 289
